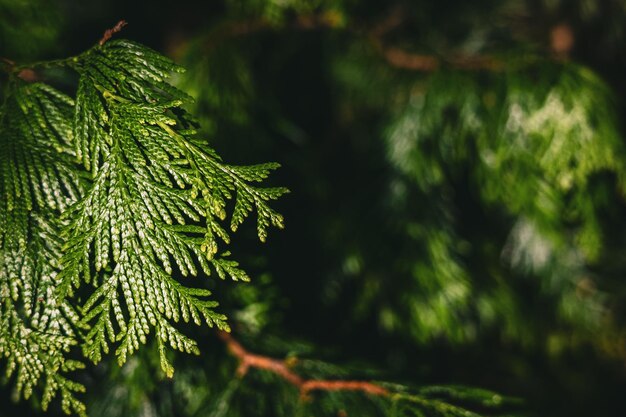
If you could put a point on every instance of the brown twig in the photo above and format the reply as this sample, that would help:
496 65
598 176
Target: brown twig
249 360
399 58
108 34
368 387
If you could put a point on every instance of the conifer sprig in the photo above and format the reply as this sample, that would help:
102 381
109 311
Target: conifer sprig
156 205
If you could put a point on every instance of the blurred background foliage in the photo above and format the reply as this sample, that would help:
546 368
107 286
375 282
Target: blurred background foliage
458 176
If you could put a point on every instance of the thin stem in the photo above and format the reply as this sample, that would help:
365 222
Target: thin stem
108 34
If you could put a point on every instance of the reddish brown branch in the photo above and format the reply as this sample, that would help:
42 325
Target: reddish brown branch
406 60
368 387
108 34
249 360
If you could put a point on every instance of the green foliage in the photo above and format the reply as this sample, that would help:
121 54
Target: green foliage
456 230
498 188
147 207
28 28
529 145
